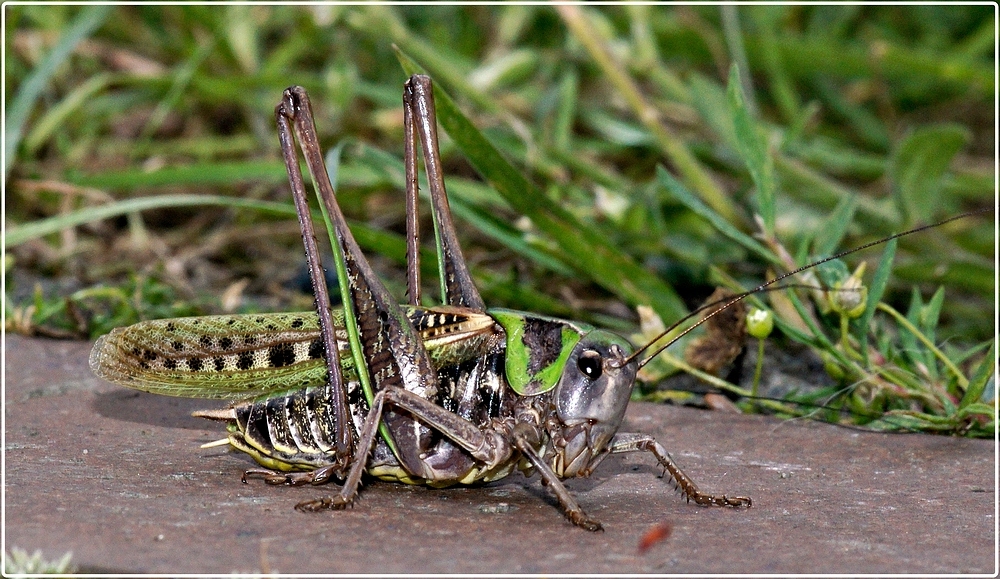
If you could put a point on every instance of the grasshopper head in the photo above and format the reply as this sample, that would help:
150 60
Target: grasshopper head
590 399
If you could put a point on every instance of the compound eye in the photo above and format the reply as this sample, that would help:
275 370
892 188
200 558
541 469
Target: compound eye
590 364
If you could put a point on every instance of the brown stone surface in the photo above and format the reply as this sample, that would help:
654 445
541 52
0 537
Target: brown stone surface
117 478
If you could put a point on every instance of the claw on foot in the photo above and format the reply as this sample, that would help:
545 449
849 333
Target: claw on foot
581 519
737 502
335 502
721 501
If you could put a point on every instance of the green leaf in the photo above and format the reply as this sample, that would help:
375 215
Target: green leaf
709 99
875 290
566 109
819 337
984 373
832 272
929 316
916 422
918 166
753 148
70 104
977 408
830 234
909 340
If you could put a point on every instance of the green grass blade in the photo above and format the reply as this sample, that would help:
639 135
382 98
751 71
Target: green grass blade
978 409
866 125
578 23
918 166
834 227
195 174
734 41
388 23
910 327
180 83
36 229
875 290
781 84
929 318
58 114
977 386
810 53
88 20
754 150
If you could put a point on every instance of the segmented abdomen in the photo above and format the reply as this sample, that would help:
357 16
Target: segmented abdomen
296 431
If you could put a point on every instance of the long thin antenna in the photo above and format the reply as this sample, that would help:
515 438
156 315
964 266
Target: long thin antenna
762 287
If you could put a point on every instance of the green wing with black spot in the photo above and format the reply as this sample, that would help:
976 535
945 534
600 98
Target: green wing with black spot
224 357
244 356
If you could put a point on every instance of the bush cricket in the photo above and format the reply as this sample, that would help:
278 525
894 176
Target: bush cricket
439 395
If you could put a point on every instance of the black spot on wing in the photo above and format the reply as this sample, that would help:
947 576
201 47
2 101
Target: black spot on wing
316 349
281 355
245 361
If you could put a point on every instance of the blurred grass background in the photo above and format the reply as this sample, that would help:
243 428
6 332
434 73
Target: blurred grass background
143 177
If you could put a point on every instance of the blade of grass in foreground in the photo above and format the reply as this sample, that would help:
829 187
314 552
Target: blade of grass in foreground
44 227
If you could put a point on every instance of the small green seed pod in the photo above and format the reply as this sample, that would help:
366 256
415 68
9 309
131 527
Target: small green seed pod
850 297
760 323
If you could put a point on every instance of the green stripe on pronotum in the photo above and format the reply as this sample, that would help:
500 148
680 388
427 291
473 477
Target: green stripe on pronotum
537 349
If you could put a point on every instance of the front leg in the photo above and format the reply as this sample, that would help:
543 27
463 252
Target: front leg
526 440
639 442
